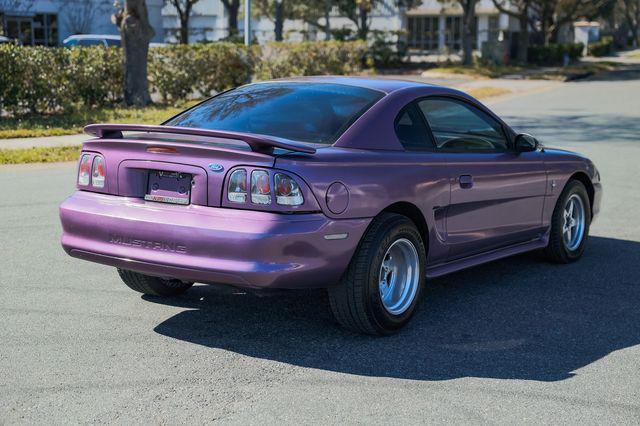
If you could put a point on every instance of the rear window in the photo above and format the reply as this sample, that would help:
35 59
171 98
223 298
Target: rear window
306 112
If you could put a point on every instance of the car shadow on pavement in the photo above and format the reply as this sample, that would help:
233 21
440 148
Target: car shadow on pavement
518 318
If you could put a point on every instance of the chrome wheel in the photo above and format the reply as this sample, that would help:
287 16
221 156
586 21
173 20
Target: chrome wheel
399 276
573 223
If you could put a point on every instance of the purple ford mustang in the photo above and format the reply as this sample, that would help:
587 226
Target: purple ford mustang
365 187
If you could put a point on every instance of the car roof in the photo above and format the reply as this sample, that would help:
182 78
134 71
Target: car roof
93 37
386 85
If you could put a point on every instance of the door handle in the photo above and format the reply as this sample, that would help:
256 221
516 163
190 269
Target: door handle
465 181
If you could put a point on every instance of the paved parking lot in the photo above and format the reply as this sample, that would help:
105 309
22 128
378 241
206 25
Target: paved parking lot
518 340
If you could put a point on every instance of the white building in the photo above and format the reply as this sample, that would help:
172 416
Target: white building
430 27
48 22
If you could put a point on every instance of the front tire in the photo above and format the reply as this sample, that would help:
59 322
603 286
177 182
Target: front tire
382 285
153 286
569 224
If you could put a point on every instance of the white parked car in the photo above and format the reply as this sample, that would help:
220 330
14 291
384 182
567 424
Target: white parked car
98 40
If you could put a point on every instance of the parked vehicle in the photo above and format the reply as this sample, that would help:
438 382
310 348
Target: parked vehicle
4 39
364 187
92 40
98 40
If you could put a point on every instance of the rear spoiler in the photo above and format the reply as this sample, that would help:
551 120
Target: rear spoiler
259 143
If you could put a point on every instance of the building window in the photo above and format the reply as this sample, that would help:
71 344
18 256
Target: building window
494 28
423 32
45 29
453 33
40 29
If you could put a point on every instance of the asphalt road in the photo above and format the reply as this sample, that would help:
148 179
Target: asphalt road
518 340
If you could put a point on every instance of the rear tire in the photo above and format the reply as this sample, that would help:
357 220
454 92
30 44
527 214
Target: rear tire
153 286
383 283
569 224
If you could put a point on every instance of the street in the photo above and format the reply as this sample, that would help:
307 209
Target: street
518 340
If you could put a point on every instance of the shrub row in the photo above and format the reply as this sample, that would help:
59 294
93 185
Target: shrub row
37 79
553 54
604 47
41 79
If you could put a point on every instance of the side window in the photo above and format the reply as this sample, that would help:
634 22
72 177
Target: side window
459 126
411 130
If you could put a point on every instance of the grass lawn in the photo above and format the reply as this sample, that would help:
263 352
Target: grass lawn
533 72
486 92
40 155
488 71
72 123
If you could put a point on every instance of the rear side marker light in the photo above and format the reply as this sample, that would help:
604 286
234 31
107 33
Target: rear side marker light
97 172
260 187
85 170
237 189
287 191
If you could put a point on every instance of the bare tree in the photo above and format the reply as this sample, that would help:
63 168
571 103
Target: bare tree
16 5
81 13
468 28
359 11
232 8
631 11
520 10
276 11
553 14
136 32
183 7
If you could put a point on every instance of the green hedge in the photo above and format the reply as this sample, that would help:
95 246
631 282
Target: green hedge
553 54
603 47
277 60
41 79
177 71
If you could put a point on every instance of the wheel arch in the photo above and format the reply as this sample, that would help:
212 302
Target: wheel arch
411 211
583 178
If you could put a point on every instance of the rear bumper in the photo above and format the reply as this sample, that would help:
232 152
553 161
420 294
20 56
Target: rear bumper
208 244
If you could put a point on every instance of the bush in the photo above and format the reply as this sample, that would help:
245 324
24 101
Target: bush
281 59
387 49
177 71
553 54
603 47
33 78
45 80
42 79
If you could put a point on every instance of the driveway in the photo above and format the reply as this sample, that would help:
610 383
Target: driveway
518 340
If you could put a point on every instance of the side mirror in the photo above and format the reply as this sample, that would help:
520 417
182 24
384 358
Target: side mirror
526 143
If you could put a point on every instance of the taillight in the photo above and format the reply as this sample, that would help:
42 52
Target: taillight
288 191
97 172
237 189
260 187
85 170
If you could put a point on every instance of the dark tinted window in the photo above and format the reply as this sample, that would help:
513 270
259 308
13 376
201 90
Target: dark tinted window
457 125
113 42
411 130
306 112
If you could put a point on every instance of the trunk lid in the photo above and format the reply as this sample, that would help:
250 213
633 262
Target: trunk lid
132 164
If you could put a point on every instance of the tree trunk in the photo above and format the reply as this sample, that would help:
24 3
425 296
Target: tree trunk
523 38
184 30
279 19
363 28
232 18
636 25
136 32
468 26
327 20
